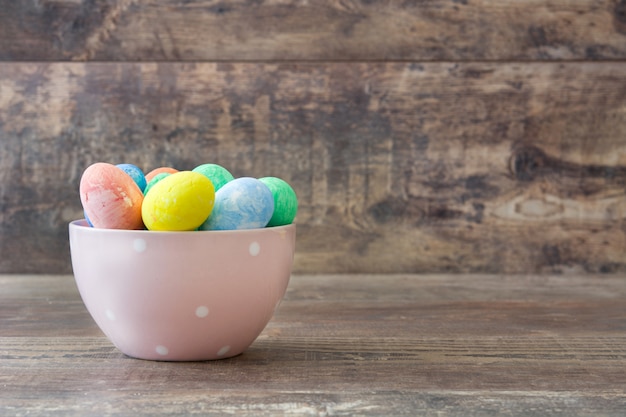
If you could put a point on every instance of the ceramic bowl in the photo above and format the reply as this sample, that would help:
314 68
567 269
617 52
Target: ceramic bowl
181 296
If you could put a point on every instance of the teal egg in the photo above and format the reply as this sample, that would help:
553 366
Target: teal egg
285 201
218 175
155 180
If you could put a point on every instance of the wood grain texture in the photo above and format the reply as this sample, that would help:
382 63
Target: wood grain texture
176 30
430 167
437 345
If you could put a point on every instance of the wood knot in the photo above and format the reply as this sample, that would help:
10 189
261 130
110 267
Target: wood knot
387 210
527 162
220 9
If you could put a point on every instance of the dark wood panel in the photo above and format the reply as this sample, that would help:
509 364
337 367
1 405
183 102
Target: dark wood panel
176 30
398 167
446 345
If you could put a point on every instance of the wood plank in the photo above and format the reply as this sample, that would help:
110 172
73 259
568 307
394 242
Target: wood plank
393 364
428 404
399 167
506 345
176 30
49 306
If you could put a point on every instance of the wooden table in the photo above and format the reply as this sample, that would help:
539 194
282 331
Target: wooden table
445 345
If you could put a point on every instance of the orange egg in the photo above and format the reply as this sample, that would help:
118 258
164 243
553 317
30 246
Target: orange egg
157 171
110 197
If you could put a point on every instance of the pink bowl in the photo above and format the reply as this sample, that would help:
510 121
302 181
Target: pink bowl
181 296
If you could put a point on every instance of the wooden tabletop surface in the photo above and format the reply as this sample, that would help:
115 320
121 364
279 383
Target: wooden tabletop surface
431 345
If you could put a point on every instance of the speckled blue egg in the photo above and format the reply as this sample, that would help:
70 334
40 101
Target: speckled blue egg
87 218
243 203
135 173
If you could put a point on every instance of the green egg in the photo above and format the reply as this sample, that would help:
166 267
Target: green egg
154 181
218 175
285 201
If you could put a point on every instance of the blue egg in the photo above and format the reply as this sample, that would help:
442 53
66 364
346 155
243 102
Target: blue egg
243 203
135 173
87 219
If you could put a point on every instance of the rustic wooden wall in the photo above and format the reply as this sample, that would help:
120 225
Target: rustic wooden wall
424 136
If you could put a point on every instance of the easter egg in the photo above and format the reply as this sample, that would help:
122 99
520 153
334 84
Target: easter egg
87 219
216 173
154 180
110 197
135 173
285 201
159 170
180 201
243 203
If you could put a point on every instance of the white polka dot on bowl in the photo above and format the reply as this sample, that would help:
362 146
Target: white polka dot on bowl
162 350
223 351
254 248
139 245
110 315
202 311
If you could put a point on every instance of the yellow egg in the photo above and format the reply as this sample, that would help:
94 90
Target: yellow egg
181 201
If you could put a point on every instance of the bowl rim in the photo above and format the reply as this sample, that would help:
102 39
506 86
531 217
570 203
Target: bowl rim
84 226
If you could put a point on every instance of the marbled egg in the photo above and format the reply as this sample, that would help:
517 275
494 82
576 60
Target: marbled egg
110 197
135 173
180 201
285 201
243 203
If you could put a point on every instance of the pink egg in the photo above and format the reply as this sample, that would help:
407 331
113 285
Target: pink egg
110 197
